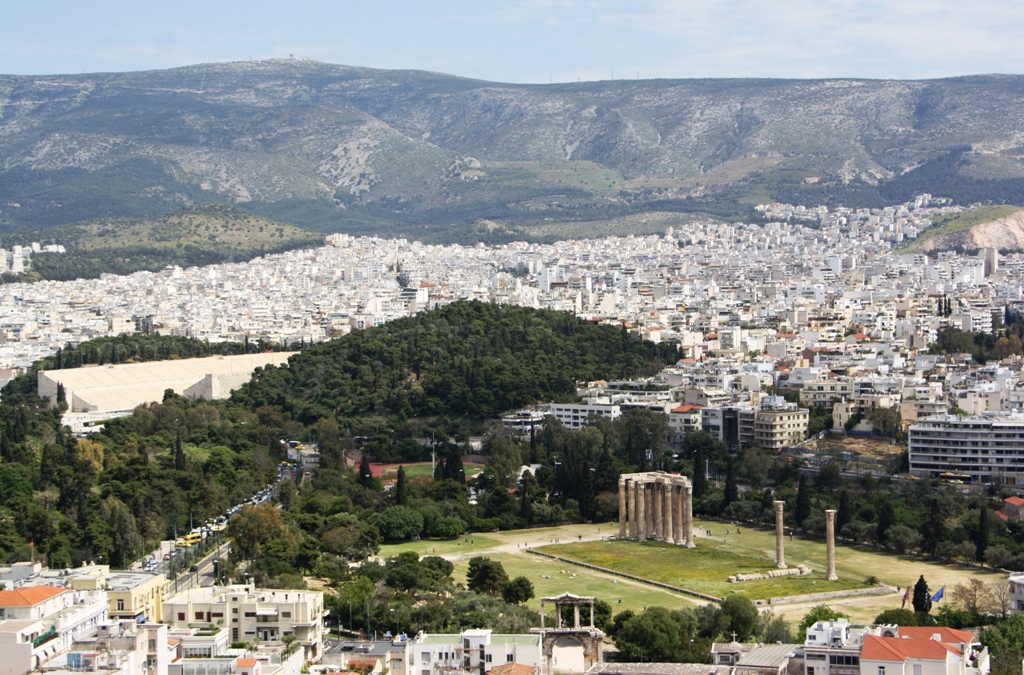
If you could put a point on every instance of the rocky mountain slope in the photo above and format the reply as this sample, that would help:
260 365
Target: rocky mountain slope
1005 232
332 147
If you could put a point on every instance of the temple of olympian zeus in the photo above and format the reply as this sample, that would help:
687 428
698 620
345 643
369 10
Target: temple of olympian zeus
659 505
656 505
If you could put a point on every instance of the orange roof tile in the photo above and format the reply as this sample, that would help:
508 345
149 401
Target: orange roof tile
513 669
1014 501
948 634
877 648
29 595
246 663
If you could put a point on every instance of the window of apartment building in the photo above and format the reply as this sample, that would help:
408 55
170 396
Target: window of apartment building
199 616
286 615
810 670
234 635
234 610
917 669
425 657
120 604
249 615
487 658
217 615
509 658
881 670
181 616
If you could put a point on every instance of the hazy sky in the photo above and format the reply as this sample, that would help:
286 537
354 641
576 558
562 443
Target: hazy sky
527 40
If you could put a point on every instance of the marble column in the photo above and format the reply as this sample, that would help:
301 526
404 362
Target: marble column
677 506
666 510
576 616
641 491
655 495
622 508
649 508
634 510
688 515
830 545
780 537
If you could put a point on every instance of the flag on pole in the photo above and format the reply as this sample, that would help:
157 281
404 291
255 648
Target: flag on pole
906 596
938 594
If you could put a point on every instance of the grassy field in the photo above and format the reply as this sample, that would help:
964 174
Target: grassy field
957 222
418 470
445 547
552 578
703 569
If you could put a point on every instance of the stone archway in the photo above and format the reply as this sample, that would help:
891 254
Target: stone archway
568 655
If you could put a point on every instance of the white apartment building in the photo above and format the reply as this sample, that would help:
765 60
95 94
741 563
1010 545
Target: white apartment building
475 651
250 613
988 448
575 416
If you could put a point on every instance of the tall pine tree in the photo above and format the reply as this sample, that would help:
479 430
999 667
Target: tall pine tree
885 519
401 487
365 477
922 597
700 479
934 529
984 528
732 493
803 501
179 453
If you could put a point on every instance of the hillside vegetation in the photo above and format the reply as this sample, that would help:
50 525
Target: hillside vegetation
201 235
998 226
337 148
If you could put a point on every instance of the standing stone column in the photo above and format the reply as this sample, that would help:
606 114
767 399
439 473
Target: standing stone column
622 508
677 506
633 532
656 510
780 537
830 544
688 515
666 510
649 506
641 491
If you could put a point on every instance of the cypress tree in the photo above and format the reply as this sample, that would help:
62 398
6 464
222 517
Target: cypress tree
700 481
401 487
731 491
365 475
179 453
845 512
886 519
803 501
922 596
934 529
5 448
984 527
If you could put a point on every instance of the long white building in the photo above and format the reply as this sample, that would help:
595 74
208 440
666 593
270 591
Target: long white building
989 448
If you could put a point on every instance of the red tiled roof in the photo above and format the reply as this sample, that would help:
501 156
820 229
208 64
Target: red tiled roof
687 407
246 663
877 648
29 595
1014 501
948 634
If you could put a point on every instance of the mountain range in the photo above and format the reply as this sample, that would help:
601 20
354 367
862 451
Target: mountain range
337 148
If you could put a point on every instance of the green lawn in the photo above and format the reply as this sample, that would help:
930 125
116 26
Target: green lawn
551 578
424 470
476 544
703 569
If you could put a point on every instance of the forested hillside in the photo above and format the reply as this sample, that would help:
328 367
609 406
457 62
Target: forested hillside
466 359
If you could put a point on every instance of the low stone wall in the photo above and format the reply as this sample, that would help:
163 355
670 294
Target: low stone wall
789 572
827 595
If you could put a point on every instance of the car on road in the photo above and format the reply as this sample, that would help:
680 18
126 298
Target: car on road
194 568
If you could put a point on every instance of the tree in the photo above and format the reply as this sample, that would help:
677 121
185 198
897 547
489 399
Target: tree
401 487
902 539
819 613
922 599
365 474
803 500
517 591
253 527
731 491
741 615
897 617
844 514
1005 642
973 596
934 530
754 466
503 462
700 480
399 523
1002 596
998 555
179 453
773 628
661 635
885 519
486 576
981 536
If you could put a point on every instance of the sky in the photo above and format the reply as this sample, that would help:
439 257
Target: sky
527 41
